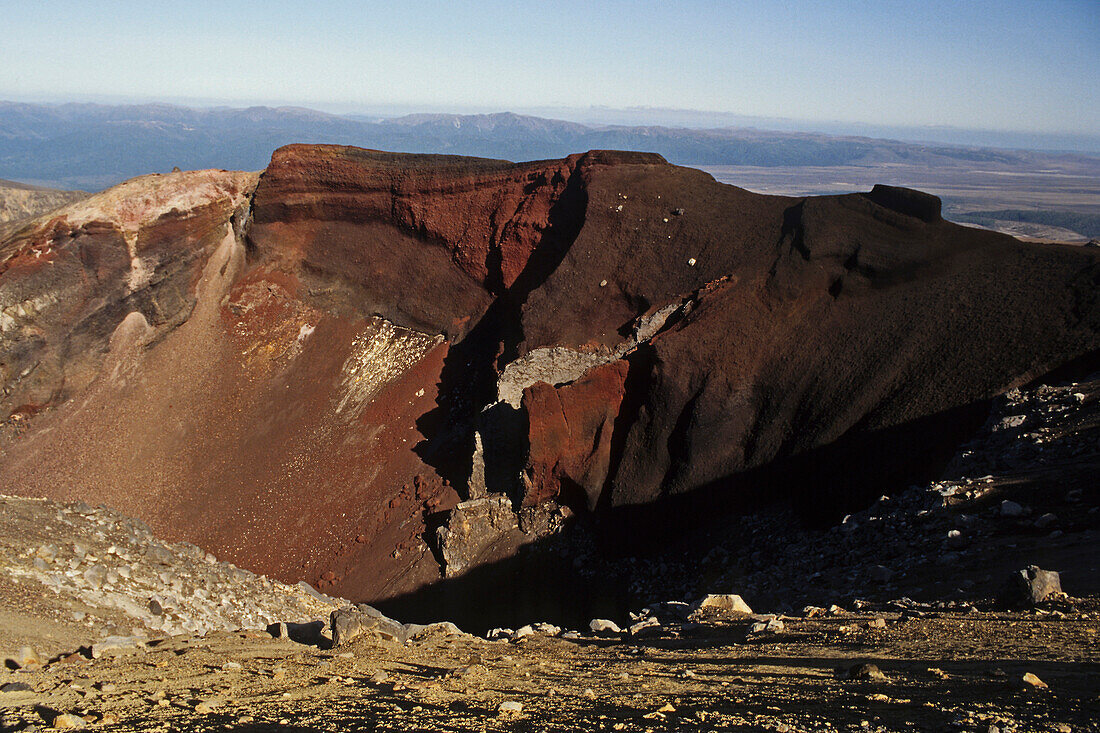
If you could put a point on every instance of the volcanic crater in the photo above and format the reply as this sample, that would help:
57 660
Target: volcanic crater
420 379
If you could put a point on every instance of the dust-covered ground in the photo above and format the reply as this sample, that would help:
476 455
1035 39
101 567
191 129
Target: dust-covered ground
946 670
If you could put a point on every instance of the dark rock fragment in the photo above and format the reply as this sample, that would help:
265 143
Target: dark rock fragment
1030 586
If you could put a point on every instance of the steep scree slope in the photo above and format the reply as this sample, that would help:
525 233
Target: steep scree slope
306 378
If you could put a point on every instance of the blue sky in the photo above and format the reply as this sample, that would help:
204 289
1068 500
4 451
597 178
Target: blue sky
1006 65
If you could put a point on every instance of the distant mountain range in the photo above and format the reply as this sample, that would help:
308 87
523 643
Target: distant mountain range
90 146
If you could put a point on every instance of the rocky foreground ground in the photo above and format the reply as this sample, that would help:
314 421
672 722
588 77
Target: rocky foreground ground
894 619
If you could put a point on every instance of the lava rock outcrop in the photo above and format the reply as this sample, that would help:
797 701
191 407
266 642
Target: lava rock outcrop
306 378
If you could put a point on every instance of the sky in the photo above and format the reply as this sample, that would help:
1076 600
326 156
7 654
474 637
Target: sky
1013 65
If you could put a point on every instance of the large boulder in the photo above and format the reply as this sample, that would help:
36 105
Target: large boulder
1030 586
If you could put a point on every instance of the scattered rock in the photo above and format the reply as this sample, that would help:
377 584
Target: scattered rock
1030 586
729 603
1046 521
68 721
27 658
1030 680
116 645
771 626
603 626
646 627
866 671
1011 509
510 706
877 623
880 574
354 621
414 632
471 528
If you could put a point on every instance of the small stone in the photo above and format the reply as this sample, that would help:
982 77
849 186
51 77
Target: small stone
95 576
1030 680
646 627
1046 521
866 672
880 574
115 645
68 721
771 626
510 706
604 626
691 262
523 631
1011 509
231 666
205 707
379 677
589 693
603 283
877 623
27 658
546 629
16 687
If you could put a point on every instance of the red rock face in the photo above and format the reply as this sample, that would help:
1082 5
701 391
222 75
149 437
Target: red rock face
570 433
293 378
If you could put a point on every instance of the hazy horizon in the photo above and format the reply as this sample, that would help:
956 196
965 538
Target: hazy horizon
1007 68
597 115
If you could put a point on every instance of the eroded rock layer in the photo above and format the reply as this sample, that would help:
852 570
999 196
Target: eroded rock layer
304 374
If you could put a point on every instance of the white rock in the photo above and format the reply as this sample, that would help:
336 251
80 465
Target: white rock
603 626
725 602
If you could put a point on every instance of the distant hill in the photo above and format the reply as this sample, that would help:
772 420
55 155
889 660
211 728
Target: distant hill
1087 225
19 201
92 146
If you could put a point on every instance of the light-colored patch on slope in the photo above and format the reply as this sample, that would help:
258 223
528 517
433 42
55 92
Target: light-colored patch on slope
139 202
561 365
379 356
